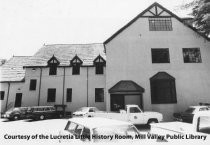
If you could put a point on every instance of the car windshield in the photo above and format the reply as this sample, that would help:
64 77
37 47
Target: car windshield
127 131
190 110
83 109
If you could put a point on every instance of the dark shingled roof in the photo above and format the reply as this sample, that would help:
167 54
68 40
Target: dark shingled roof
13 70
65 52
126 86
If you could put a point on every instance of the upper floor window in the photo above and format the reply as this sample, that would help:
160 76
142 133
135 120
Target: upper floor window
160 24
163 89
2 95
69 95
192 55
99 94
53 63
32 85
53 70
76 62
99 63
160 55
51 95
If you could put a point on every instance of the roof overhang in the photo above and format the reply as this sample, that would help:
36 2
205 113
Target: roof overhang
126 87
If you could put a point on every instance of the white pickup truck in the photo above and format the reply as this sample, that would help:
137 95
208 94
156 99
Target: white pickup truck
132 114
197 132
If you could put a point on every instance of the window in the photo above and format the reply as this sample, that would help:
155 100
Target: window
2 95
192 55
76 69
76 62
99 95
32 85
160 24
160 55
53 70
163 89
134 110
69 95
51 95
53 63
99 68
99 63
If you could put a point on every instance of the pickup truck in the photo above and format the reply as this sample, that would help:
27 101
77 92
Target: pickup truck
198 131
132 114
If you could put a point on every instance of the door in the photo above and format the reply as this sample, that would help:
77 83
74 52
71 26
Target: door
136 116
18 99
117 102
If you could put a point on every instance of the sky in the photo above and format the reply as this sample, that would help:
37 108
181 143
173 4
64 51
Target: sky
26 25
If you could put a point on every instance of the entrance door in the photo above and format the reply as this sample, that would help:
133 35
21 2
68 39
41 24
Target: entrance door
18 99
117 102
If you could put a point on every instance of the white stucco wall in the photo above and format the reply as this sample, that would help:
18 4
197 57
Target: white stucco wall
129 58
16 87
78 83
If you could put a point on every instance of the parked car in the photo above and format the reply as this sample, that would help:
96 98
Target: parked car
43 112
199 130
132 114
85 111
90 129
16 113
187 115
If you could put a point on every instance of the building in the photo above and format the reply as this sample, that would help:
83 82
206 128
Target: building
168 60
155 61
60 74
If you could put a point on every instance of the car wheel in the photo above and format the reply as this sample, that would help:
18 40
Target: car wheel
16 117
41 117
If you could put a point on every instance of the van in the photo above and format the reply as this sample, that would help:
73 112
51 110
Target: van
43 112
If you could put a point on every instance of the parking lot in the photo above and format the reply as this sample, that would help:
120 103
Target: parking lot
32 128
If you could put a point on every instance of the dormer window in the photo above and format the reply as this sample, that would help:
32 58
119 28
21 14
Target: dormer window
99 63
76 62
53 63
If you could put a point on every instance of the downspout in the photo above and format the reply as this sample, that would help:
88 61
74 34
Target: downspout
7 95
40 83
87 86
64 74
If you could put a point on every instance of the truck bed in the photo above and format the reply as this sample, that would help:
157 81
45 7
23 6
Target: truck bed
112 115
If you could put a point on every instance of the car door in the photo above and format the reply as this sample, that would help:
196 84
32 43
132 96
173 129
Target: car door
136 116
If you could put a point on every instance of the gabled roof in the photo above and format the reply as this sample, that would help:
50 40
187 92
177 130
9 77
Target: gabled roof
76 59
99 59
154 10
126 86
12 70
161 76
53 60
66 52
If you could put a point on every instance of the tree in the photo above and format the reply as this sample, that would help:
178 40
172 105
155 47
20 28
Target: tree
201 15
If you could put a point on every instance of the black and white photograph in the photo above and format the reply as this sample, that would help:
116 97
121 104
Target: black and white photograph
105 72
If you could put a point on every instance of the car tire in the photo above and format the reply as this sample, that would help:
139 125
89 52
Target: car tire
41 117
16 117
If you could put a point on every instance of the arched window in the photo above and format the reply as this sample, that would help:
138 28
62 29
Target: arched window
99 63
76 62
53 63
163 88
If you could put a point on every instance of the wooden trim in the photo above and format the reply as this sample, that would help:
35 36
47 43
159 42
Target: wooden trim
156 11
7 96
64 75
87 87
151 12
40 83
